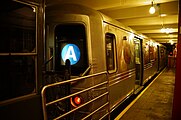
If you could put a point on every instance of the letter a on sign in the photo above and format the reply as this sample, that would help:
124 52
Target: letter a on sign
71 52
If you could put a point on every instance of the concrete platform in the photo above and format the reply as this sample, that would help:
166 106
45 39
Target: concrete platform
155 102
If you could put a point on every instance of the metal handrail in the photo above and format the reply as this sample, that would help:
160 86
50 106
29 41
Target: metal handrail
69 96
81 106
87 70
43 93
51 58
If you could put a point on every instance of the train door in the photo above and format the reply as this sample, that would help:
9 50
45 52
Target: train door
138 63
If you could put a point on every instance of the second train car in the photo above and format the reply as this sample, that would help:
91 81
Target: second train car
104 62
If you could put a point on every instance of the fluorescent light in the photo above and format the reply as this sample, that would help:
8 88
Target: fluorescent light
163 15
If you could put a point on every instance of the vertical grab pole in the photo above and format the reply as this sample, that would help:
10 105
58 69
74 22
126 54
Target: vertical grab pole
67 86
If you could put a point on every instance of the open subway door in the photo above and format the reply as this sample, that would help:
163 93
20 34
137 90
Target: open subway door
138 63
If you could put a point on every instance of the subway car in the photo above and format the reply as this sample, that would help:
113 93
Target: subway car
74 63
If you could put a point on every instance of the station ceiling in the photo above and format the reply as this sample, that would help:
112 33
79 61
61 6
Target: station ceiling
135 14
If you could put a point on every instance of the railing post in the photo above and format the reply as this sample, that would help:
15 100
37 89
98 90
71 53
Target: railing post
67 86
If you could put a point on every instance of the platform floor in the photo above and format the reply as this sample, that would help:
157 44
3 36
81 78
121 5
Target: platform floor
155 102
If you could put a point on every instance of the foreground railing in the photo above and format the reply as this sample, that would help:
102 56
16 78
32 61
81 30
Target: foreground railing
93 91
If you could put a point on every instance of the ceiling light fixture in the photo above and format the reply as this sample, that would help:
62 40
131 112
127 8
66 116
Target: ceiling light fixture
166 30
163 29
152 9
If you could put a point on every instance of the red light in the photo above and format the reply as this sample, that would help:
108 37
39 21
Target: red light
77 100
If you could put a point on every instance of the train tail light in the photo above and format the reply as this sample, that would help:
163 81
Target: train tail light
76 101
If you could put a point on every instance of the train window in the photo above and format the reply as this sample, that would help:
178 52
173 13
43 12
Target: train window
71 44
17 25
17 49
110 51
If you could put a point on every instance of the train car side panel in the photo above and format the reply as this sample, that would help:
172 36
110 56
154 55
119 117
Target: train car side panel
123 79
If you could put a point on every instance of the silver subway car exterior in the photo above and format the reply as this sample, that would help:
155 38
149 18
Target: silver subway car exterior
85 64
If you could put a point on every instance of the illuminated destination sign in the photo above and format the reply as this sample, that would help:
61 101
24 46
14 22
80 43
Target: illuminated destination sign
71 52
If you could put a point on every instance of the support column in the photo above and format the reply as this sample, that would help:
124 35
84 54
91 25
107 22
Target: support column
176 112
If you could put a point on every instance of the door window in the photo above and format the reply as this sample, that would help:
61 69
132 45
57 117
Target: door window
110 52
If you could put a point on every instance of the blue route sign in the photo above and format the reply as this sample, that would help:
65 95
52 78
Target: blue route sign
71 52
